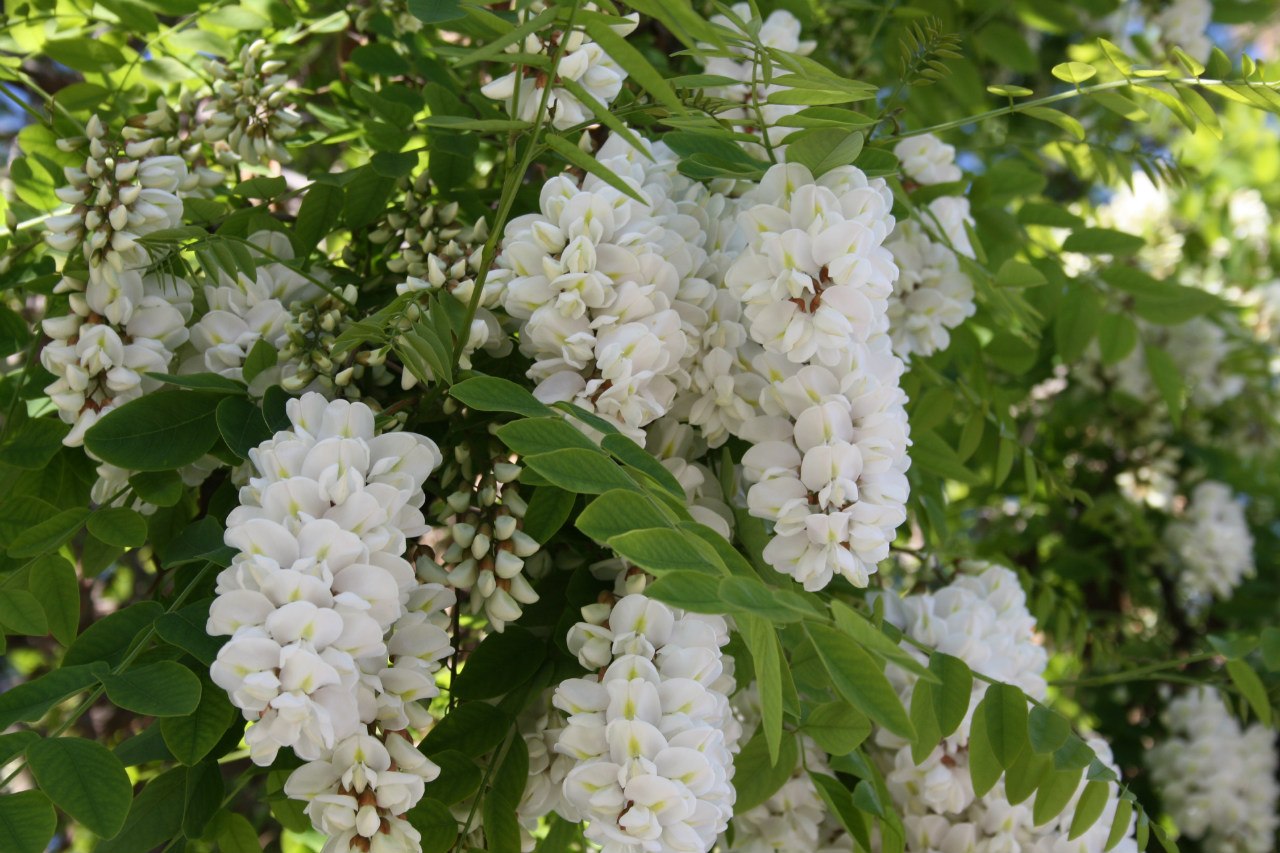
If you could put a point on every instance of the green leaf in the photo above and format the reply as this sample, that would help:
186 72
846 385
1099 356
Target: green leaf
1093 799
185 629
629 453
21 613
1005 91
161 488
158 431
233 833
1167 378
29 701
1076 323
858 678
767 660
874 640
84 54
491 394
34 444
756 776
616 512
109 639
748 594
1055 791
932 453
501 827
27 822
53 581
953 692
823 149
203 798
501 663
163 689
1270 641
663 550
241 424
431 818
585 472
1251 687
542 435
1022 779
191 737
689 590
1074 754
1047 730
154 817
1068 123
1014 273
1119 824
262 356
49 534
83 779
472 728
984 768
1102 241
549 508
837 727
119 526
924 719
584 161
1117 337
318 215
436 12
1074 72
840 803
1006 718
459 777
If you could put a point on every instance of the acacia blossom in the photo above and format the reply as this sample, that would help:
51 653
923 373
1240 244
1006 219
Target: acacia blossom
1211 545
652 735
334 641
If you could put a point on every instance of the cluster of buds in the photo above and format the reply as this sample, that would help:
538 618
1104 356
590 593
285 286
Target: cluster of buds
481 546
252 113
175 130
365 12
308 356
430 239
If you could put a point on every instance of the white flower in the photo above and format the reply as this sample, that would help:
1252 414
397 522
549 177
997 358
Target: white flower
1211 545
926 159
931 296
1183 23
252 116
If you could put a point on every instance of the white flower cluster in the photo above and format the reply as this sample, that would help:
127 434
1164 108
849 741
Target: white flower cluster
246 310
981 618
931 295
652 736
1211 545
582 61
830 450
779 32
1199 349
1184 24
252 113
333 637
601 284
123 323
1216 777
482 548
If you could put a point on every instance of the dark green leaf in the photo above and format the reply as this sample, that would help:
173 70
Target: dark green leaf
191 737
158 431
431 818
953 691
858 678
688 590
110 638
1047 730
31 700
163 689
241 424
472 728
756 777
21 613
500 664
83 779
154 817
161 488
48 534
27 822
119 526
491 394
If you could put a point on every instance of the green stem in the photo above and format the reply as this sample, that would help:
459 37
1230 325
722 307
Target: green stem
511 185
1136 674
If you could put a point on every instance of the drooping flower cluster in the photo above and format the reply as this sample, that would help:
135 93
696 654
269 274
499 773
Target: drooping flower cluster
932 295
334 640
830 449
582 61
596 279
652 734
1217 778
482 548
122 323
1211 545
1199 349
981 618
246 310
780 32
253 115
1184 24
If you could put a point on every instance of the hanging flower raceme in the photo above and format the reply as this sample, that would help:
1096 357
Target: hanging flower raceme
1217 777
601 284
253 113
123 323
981 618
830 447
1211 545
482 548
582 61
932 295
334 641
652 734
